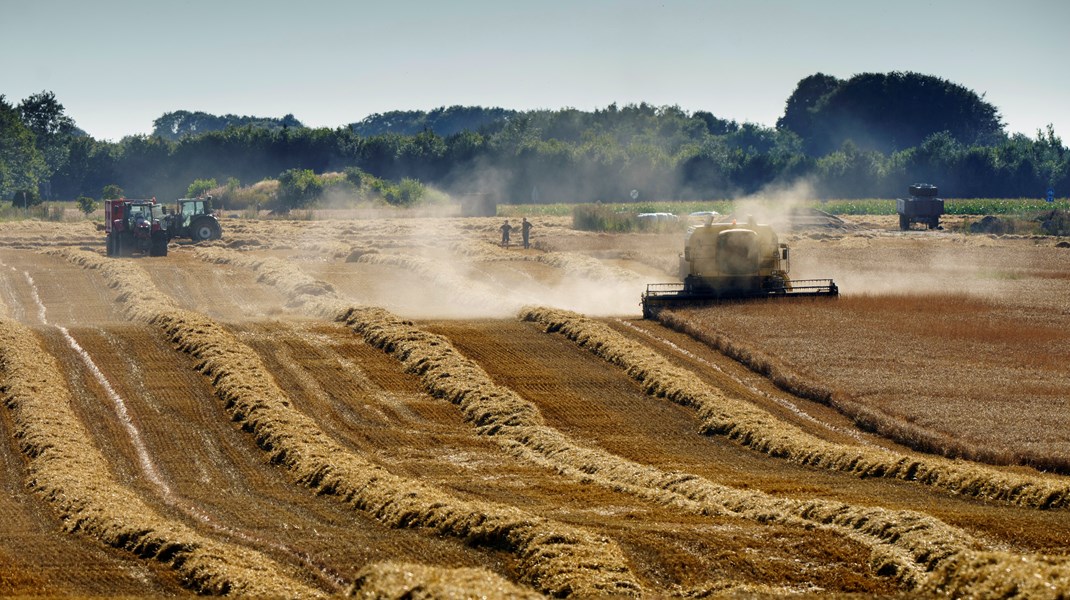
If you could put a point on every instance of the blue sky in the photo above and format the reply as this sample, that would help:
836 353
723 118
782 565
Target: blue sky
116 65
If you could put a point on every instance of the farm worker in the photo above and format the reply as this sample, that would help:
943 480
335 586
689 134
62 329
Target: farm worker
525 229
506 228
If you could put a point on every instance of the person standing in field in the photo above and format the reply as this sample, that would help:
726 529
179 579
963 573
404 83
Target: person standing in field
525 230
506 228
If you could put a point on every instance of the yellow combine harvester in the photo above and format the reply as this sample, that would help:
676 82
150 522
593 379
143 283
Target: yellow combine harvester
724 261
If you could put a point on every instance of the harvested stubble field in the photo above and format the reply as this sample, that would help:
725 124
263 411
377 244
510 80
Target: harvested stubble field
398 407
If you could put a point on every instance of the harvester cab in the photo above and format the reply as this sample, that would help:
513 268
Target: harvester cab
725 261
135 226
194 218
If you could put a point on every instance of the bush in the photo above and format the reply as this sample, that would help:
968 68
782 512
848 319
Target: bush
25 198
298 188
406 193
86 204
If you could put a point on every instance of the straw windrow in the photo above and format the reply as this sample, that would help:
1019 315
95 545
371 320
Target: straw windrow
760 431
414 581
68 470
554 558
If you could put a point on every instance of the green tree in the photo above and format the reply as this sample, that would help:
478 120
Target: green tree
298 188
112 192
21 164
52 129
200 187
886 112
25 198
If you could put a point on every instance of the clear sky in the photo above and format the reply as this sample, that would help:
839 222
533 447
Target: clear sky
116 65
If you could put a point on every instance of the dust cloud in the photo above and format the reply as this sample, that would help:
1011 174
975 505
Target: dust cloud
454 268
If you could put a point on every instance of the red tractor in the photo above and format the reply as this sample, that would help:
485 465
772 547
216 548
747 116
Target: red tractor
135 226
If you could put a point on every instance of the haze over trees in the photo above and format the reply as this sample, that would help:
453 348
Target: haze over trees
867 136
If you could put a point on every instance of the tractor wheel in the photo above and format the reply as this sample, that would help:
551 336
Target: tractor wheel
204 229
904 222
159 245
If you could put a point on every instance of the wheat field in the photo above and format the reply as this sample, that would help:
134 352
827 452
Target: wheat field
402 408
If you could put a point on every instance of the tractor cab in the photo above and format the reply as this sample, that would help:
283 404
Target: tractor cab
192 207
194 218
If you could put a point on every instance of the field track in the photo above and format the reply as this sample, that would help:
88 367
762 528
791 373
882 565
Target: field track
257 410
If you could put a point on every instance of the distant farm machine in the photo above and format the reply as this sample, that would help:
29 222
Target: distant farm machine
146 227
135 226
921 207
194 218
727 261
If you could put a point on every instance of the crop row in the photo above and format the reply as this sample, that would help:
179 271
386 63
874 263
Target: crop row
68 470
554 558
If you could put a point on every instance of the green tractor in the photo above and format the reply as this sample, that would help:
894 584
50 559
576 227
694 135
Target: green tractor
194 218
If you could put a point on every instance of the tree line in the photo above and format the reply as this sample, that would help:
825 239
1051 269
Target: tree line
864 137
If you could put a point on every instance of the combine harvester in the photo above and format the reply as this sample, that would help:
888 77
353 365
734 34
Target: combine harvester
726 261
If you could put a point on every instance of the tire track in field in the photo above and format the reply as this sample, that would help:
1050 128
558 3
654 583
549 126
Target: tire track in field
781 401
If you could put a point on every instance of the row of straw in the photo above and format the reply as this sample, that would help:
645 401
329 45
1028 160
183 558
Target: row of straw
903 543
759 430
70 471
553 557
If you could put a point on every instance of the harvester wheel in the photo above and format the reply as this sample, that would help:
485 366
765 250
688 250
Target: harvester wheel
109 244
904 222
